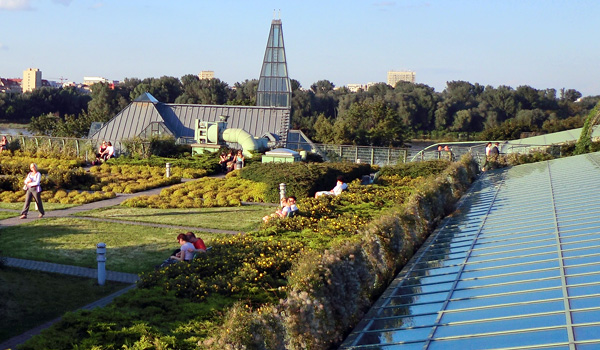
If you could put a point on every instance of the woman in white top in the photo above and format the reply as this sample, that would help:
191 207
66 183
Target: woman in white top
33 189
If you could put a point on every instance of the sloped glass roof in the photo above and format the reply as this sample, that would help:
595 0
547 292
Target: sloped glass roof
516 267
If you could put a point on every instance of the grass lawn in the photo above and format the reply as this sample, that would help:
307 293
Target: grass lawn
130 248
7 214
31 298
245 218
47 206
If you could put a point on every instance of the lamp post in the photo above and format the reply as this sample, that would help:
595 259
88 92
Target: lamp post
101 258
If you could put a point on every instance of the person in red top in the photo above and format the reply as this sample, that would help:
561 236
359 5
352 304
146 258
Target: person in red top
197 242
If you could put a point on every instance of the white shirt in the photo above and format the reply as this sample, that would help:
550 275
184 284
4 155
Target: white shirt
337 190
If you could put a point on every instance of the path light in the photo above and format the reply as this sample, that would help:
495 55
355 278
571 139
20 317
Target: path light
281 191
101 258
168 172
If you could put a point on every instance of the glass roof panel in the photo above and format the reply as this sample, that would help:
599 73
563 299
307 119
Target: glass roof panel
517 268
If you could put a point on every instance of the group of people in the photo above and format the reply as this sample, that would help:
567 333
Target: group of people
3 144
288 208
105 152
445 149
492 151
189 246
230 161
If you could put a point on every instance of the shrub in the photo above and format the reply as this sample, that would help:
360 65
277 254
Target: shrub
301 179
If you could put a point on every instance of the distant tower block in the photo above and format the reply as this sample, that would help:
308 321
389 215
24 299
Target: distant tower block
394 77
32 79
206 74
274 87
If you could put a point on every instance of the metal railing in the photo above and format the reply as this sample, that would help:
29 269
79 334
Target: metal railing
79 147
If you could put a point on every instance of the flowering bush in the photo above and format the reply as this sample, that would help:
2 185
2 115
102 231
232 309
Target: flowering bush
240 265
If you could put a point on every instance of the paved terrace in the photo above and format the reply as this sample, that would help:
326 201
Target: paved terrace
516 267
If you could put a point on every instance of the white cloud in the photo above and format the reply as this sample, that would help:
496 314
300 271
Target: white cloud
15 5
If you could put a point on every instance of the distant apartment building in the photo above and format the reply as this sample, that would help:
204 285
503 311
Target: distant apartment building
357 87
206 74
10 85
32 79
395 76
94 80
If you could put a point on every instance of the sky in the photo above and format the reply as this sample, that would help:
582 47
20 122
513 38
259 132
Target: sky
540 43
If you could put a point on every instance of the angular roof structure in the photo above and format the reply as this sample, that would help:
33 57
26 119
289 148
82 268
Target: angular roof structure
515 268
274 87
145 117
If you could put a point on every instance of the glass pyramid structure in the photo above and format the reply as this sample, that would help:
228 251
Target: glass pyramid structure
274 88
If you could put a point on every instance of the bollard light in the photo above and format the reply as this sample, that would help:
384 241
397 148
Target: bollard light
101 258
168 172
282 191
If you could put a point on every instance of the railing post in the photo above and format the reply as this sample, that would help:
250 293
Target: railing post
101 258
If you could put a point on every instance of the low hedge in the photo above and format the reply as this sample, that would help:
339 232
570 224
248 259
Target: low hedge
302 179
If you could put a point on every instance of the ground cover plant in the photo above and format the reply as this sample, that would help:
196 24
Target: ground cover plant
130 248
190 167
129 178
65 182
6 215
294 293
242 219
204 193
23 308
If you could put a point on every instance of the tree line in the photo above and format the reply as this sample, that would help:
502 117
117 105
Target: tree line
380 116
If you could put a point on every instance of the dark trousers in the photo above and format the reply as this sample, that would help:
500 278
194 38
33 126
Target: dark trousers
37 196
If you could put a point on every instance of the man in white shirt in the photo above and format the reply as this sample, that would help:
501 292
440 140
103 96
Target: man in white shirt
336 191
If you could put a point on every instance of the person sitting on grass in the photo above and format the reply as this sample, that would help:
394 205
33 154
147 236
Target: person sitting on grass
109 152
198 243
3 144
336 191
184 253
281 212
293 208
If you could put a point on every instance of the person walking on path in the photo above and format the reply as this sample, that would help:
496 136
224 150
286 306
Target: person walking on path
33 189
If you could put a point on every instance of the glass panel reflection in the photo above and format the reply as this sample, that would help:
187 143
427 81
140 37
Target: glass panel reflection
505 299
402 322
587 302
500 325
507 340
414 334
585 316
410 310
506 311
587 332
